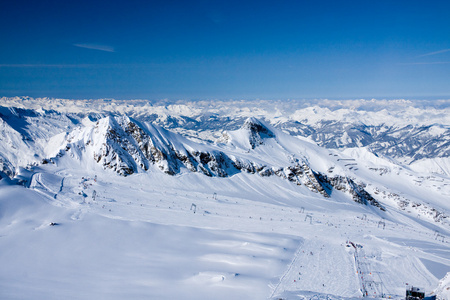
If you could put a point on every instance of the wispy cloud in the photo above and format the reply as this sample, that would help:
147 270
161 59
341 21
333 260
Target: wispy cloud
434 53
96 47
427 63
146 66
61 66
68 66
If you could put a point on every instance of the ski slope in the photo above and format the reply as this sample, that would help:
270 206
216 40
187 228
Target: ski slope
244 237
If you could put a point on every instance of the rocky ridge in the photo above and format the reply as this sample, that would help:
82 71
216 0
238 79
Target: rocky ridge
126 147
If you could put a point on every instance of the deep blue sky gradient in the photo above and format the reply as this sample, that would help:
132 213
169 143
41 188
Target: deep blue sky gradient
225 49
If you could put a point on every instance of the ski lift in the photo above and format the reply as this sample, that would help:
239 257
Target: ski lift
310 218
439 236
382 223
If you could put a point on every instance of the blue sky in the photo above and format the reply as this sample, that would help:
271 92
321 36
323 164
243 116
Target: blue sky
225 49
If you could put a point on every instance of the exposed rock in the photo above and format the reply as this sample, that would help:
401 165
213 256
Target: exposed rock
127 147
258 132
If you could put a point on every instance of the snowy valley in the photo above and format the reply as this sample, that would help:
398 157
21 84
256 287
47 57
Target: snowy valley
110 199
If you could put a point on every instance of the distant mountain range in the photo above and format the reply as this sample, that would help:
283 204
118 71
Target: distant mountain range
408 131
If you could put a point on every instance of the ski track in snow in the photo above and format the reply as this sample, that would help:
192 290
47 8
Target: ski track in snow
321 263
318 267
282 280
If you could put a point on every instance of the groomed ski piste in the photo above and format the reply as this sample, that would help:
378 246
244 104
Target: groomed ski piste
149 236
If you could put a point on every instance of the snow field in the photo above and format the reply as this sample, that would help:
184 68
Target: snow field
248 238
104 258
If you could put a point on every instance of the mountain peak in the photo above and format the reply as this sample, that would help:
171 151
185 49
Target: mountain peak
258 131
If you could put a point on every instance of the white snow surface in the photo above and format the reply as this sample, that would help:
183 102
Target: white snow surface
246 237
76 230
443 290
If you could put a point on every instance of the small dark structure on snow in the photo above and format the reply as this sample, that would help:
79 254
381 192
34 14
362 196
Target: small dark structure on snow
415 293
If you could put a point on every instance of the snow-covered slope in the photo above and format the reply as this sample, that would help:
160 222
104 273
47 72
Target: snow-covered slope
443 290
25 133
402 129
107 205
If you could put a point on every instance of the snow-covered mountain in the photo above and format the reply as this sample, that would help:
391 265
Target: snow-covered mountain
409 131
368 191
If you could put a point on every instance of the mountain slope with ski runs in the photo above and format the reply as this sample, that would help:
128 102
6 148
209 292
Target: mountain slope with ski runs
110 199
